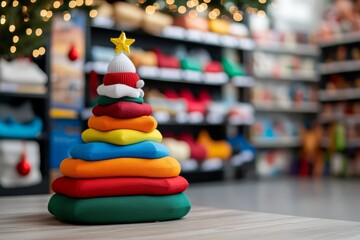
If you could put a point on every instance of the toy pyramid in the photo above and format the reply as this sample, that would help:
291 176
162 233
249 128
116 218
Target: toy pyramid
122 173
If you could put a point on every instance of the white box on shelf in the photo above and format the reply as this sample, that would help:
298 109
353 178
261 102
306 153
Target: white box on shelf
194 35
170 74
229 41
246 43
174 32
10 156
215 78
192 76
212 164
148 71
211 38
242 81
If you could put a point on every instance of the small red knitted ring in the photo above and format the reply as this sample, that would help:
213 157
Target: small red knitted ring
127 78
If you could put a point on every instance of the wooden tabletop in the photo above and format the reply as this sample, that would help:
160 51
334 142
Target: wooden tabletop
27 218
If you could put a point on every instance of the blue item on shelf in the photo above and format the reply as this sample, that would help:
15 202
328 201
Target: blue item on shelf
268 130
11 128
247 151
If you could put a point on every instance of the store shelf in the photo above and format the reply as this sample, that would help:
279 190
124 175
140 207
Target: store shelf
86 113
284 142
242 81
43 136
293 78
192 36
22 94
353 143
339 67
164 78
295 49
266 107
41 188
350 120
175 75
208 170
341 39
339 95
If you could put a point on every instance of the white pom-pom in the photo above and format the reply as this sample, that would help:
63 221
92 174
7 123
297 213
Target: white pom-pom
140 83
121 63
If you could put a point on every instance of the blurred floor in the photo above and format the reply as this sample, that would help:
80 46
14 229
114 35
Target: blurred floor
322 198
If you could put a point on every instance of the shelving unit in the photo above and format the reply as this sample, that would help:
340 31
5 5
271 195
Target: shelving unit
296 48
289 142
307 108
276 108
40 104
339 95
340 67
295 78
99 36
340 100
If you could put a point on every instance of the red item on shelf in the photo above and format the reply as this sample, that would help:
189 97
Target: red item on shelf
193 105
171 94
23 167
165 61
94 82
205 97
213 67
198 151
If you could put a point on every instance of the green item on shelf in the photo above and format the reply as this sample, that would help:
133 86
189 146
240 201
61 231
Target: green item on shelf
103 100
231 68
191 64
119 209
340 142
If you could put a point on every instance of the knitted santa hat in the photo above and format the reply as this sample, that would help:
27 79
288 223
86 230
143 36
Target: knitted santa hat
122 70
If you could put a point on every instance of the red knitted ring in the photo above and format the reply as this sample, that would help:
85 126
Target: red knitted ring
127 78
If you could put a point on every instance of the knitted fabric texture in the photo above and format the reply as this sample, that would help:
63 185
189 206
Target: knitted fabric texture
119 91
120 136
123 110
121 167
95 151
126 78
103 100
121 63
122 186
121 209
107 123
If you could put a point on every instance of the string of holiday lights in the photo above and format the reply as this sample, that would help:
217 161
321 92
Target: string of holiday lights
213 9
23 24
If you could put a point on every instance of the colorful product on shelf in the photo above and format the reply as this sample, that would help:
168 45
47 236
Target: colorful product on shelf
19 121
19 163
123 175
273 163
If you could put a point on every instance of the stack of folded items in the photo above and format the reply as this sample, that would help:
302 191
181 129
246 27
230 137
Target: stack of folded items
122 173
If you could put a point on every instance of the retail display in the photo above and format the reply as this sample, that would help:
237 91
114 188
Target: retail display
31 79
123 154
339 97
186 79
19 121
285 97
339 20
24 127
19 164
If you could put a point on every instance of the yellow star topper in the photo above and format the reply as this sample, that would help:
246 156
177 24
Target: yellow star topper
122 43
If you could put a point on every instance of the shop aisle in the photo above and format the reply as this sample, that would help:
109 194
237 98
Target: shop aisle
322 198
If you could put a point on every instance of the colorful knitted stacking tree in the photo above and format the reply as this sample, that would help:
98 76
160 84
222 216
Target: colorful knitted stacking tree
122 173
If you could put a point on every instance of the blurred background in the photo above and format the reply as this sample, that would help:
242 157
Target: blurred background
259 100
